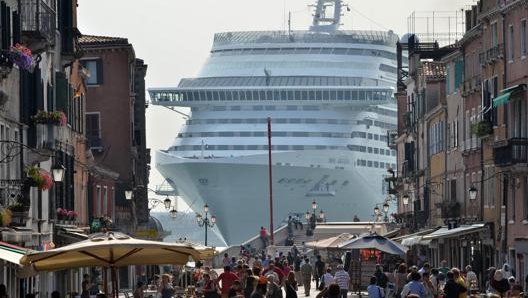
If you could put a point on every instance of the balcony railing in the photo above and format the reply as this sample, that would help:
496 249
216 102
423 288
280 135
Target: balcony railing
511 151
491 55
95 143
38 19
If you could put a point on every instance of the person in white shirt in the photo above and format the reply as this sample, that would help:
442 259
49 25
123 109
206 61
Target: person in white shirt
328 278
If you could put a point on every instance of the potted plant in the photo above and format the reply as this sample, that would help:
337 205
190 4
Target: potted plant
40 178
55 117
18 213
481 128
21 56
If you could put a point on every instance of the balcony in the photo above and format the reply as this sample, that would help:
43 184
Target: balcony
510 152
38 19
392 135
491 55
49 135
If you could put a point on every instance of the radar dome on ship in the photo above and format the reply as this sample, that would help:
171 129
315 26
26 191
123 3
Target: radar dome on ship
406 36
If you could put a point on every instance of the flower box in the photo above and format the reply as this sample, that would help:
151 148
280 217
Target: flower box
21 56
53 117
40 178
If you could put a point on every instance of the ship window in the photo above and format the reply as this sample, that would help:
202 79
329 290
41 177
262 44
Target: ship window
376 150
376 137
262 95
300 134
226 134
340 51
282 147
333 95
253 95
310 108
340 95
332 121
295 121
318 95
236 121
369 136
382 164
234 95
362 95
291 108
278 133
270 108
221 95
235 108
219 108
222 121
312 95
369 149
376 164
245 134
222 147
276 95
259 134
242 95
284 95
369 163
298 147
252 147
207 134
310 121
363 162
279 120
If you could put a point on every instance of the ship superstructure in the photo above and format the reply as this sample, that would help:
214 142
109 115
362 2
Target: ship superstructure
329 95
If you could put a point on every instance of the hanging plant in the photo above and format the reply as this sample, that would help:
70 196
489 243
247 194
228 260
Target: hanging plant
21 56
41 179
56 117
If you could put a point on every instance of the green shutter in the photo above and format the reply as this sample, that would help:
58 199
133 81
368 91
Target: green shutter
61 92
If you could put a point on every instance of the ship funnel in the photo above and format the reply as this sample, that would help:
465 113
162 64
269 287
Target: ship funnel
324 19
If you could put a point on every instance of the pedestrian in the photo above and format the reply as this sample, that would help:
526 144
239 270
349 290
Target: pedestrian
306 272
459 279
319 271
3 291
209 288
400 278
226 261
139 291
166 289
373 290
235 290
225 281
451 288
414 286
261 288
381 280
264 236
86 285
471 279
328 278
342 278
274 290
499 283
290 285
251 284
297 269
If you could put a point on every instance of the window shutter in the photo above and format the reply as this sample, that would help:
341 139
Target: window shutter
61 92
16 27
4 34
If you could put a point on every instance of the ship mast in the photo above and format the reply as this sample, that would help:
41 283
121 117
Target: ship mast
324 20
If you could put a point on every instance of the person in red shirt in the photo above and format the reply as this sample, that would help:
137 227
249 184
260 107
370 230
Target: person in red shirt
225 281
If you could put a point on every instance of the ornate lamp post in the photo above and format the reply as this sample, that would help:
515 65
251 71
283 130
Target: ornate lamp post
205 221
311 218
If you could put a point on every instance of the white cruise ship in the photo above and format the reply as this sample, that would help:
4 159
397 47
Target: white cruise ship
329 96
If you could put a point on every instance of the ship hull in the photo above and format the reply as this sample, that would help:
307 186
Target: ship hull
238 194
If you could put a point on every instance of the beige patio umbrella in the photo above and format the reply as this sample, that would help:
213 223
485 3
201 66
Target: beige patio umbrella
112 250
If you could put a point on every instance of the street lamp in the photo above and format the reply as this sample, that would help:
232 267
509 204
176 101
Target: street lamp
58 173
472 193
312 219
205 221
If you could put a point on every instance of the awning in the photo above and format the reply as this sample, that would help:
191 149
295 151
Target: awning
449 233
415 238
12 253
505 94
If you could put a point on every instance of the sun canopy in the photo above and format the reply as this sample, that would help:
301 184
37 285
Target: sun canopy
375 241
12 253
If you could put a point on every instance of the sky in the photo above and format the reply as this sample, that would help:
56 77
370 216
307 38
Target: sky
174 37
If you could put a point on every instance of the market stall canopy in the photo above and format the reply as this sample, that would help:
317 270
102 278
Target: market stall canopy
12 253
375 241
331 242
114 250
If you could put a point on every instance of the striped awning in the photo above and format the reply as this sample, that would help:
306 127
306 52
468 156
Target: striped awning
12 253
505 94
